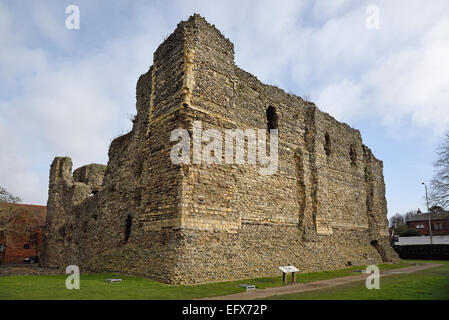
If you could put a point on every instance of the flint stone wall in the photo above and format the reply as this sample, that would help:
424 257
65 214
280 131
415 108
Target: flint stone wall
324 208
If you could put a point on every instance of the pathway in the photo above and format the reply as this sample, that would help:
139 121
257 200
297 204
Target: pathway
322 284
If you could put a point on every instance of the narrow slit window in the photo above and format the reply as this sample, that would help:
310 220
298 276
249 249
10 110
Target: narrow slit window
128 225
272 118
327 144
353 155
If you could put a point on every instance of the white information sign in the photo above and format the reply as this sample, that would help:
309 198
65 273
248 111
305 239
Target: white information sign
287 269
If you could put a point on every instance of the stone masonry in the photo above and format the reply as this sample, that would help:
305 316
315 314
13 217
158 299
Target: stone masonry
324 208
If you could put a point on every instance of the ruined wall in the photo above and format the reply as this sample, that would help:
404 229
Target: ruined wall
319 211
130 224
324 208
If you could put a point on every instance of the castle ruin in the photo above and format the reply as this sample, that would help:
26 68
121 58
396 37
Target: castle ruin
324 208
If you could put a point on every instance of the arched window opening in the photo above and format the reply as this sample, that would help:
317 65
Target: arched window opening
129 223
327 144
272 118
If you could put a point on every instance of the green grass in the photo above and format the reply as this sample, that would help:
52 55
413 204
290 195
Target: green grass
94 286
429 284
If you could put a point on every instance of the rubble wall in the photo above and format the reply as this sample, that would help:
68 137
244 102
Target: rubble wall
324 207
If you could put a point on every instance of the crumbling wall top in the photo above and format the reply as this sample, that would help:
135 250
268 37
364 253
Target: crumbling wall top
91 174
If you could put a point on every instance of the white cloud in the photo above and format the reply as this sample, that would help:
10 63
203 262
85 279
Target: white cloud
398 75
15 59
74 104
414 82
63 105
15 169
341 100
409 85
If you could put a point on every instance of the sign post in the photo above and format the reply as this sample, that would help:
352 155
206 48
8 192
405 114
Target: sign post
287 269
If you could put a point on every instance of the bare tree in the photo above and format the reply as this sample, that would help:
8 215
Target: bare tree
15 221
399 221
306 98
439 193
396 220
409 214
12 219
5 196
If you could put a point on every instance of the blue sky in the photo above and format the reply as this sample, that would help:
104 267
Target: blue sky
70 92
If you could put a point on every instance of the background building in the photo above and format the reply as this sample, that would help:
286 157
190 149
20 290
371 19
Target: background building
23 226
439 222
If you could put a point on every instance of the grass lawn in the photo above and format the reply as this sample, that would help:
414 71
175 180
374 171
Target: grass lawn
430 284
94 286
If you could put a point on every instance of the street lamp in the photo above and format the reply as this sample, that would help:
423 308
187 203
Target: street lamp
428 212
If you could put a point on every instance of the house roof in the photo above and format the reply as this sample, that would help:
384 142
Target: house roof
38 212
433 216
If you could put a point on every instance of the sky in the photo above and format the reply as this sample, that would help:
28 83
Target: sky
70 92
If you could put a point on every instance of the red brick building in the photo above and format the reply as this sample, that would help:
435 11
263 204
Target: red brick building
24 230
439 222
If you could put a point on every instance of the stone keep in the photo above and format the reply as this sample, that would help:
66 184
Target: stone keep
324 208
